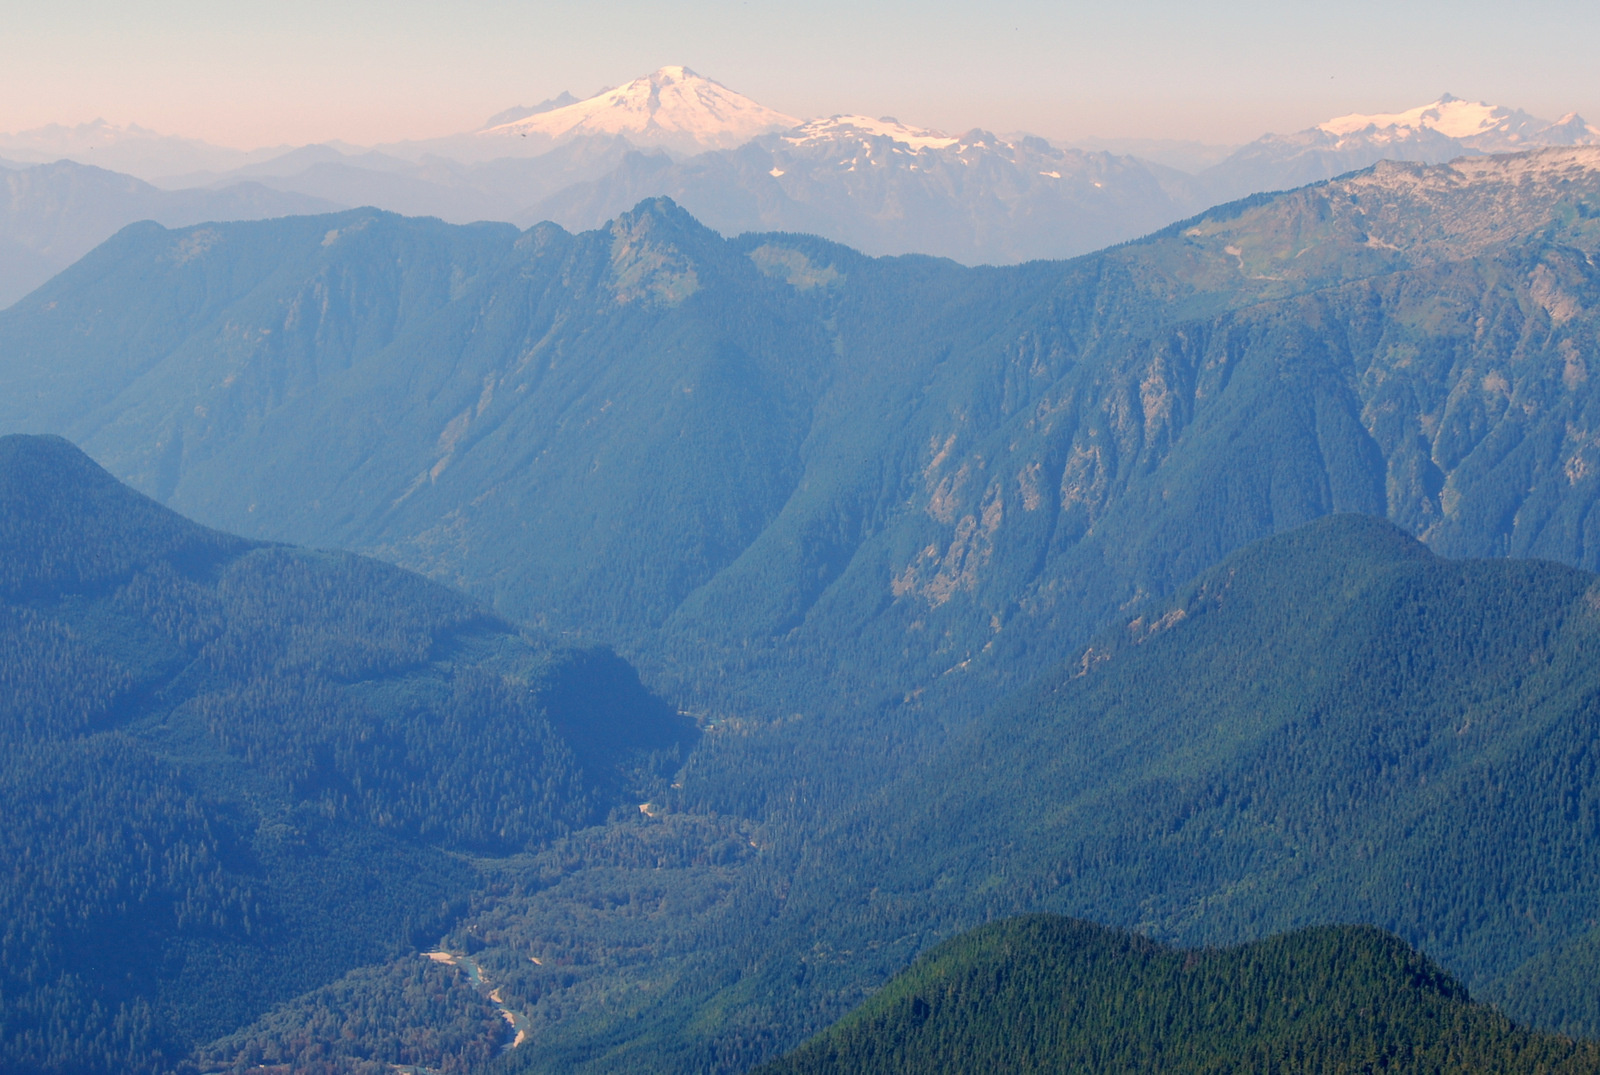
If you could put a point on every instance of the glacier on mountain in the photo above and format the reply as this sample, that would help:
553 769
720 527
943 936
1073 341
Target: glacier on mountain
834 127
1475 124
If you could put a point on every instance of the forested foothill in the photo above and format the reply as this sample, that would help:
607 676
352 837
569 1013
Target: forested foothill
1230 582
234 771
1044 994
1332 726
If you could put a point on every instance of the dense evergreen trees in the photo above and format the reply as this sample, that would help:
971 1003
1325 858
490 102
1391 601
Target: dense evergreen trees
412 1013
1333 726
1045 994
230 772
841 508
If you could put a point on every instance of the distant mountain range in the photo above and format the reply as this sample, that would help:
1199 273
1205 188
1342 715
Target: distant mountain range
886 188
1448 128
133 149
496 407
1473 124
53 214
879 185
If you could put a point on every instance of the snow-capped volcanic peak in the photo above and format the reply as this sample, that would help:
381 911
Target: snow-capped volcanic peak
673 106
835 127
1449 116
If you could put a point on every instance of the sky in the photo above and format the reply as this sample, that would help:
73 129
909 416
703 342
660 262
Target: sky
248 74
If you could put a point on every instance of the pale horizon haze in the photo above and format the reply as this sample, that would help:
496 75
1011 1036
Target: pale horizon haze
252 74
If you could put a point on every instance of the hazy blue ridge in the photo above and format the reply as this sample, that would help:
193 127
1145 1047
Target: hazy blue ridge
53 214
877 467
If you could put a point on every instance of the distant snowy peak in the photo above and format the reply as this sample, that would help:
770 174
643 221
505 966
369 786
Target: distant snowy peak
94 132
57 140
126 148
835 128
673 107
1571 130
1475 124
1450 116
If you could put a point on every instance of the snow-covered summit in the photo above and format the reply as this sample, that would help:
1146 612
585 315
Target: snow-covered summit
1475 124
836 127
1445 130
672 107
1450 116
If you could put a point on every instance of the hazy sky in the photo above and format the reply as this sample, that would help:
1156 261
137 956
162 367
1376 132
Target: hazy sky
248 73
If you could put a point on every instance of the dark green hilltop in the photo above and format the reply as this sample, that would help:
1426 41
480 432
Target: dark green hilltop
230 771
1042 994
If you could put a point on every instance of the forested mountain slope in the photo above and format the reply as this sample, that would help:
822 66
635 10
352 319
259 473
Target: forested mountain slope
770 452
806 484
1044 994
230 771
1333 726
